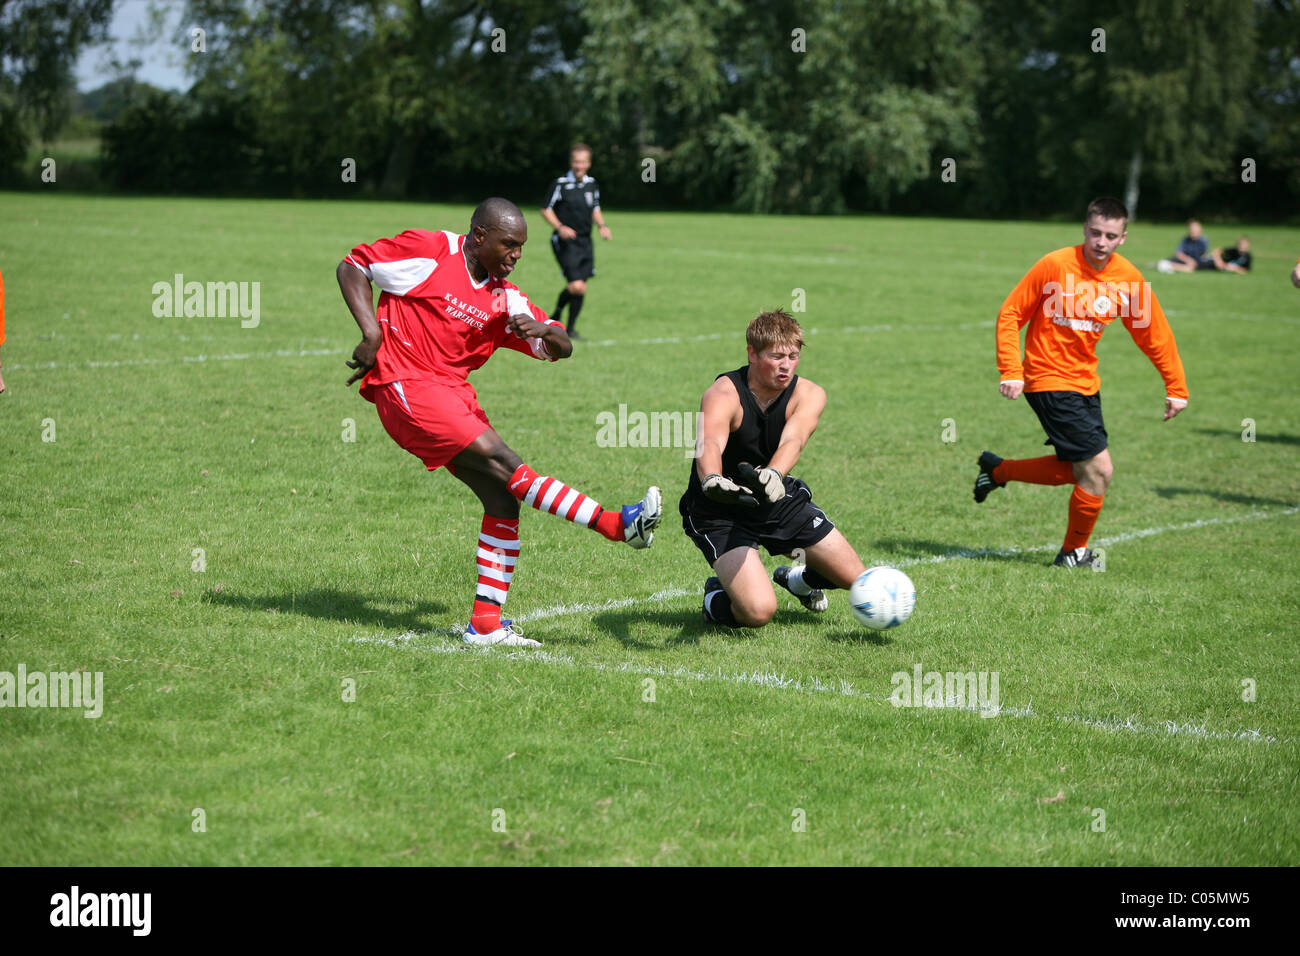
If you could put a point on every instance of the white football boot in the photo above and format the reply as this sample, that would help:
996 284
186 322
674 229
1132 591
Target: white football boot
640 520
507 635
815 600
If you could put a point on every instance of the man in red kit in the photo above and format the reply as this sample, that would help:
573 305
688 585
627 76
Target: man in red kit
1067 299
445 306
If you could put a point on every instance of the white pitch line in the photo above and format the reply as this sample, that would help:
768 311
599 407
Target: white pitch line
809 331
560 610
190 359
1198 523
817 685
658 340
1244 316
1101 542
902 326
810 685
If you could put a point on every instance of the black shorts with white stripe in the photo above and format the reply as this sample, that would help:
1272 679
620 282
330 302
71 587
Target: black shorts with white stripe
576 257
793 522
1072 421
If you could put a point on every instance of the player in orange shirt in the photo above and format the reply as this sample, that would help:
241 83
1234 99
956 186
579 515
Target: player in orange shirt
1067 299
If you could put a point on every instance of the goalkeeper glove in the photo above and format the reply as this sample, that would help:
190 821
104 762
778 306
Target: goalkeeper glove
726 491
768 479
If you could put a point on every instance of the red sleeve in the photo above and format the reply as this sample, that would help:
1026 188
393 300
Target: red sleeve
533 347
403 263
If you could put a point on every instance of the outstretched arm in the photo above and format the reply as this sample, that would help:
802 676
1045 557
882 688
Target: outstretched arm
802 415
1016 311
719 411
358 295
719 415
1151 332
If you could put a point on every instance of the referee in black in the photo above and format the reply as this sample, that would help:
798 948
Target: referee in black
572 204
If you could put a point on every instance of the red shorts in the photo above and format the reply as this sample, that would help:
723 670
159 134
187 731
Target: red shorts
434 421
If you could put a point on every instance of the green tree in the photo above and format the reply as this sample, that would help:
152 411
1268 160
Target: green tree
428 96
39 43
1087 96
1272 134
780 105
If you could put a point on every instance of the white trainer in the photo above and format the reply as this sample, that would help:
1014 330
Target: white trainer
507 635
640 520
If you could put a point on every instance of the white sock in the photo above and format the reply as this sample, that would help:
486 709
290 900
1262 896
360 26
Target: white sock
795 582
708 601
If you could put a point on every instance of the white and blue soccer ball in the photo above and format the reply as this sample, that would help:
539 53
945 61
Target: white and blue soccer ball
882 598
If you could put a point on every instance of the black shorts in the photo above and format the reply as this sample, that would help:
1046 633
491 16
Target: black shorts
793 522
1072 421
575 256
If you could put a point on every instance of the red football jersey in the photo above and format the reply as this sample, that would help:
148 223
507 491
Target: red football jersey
437 321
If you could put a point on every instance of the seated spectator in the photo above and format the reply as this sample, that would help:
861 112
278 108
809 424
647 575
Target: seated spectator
1192 254
1236 259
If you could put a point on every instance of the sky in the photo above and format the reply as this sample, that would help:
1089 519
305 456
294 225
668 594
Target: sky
164 54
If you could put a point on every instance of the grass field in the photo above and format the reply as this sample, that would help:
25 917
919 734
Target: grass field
330 564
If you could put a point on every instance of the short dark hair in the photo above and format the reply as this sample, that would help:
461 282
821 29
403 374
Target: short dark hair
1107 207
492 213
773 328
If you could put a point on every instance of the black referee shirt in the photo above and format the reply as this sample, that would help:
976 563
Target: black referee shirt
573 201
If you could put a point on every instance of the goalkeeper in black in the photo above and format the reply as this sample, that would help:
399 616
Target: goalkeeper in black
754 424
572 204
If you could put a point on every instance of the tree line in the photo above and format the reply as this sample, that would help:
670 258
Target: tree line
948 107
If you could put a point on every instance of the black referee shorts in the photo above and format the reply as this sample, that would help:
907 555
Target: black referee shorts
793 522
575 256
1072 421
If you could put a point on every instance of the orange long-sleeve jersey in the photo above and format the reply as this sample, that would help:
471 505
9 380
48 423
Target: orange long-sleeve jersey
1067 304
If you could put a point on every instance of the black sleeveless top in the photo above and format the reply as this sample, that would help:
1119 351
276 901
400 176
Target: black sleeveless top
755 441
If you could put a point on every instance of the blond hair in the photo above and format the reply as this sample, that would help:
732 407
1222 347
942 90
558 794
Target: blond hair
773 328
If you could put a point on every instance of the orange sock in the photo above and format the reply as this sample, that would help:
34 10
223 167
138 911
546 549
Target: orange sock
1084 508
1048 470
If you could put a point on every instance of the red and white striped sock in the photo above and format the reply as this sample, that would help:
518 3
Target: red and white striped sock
498 550
554 496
